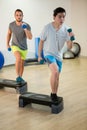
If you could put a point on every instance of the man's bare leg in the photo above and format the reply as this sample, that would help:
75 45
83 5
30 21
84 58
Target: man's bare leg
19 65
54 80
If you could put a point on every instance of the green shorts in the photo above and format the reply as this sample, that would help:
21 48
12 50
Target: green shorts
22 52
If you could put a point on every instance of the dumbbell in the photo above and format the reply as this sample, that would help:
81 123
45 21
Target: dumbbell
72 38
24 26
9 49
41 61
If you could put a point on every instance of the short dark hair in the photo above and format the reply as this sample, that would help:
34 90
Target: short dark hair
18 10
58 10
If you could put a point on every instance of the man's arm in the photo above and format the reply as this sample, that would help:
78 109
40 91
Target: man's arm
28 33
72 38
69 44
9 33
40 49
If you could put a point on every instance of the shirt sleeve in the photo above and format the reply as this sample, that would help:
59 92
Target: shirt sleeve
67 37
43 34
28 27
10 26
67 34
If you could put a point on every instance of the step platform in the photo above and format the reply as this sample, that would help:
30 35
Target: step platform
29 97
20 87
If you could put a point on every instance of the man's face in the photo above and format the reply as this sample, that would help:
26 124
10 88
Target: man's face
60 18
18 16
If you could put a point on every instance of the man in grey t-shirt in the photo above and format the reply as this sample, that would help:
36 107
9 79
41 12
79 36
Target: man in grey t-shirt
19 31
52 40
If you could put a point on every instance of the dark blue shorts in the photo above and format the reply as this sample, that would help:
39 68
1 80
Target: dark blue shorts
51 59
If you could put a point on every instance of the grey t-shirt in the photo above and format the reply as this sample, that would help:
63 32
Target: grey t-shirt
18 35
54 40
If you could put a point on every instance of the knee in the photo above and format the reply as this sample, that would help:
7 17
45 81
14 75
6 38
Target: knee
18 59
56 75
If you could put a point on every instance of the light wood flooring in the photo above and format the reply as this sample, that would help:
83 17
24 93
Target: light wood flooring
72 87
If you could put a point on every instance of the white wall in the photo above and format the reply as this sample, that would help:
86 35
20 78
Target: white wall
38 13
79 23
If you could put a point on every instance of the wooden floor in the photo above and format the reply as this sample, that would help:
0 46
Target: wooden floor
73 89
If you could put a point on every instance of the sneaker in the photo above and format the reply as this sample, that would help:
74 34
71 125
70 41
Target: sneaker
22 79
54 97
19 79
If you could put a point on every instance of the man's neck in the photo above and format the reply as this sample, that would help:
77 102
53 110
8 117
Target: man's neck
56 25
19 23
